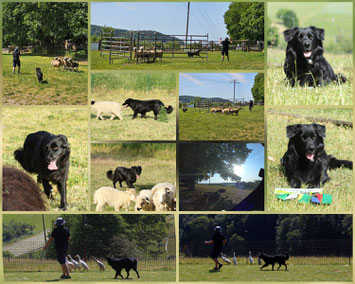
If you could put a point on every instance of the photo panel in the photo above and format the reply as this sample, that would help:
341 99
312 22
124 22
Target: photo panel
133 106
45 159
221 176
48 65
99 247
310 160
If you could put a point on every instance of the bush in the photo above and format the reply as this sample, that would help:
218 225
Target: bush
14 230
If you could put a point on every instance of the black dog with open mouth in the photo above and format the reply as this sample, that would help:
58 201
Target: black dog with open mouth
47 155
305 160
304 61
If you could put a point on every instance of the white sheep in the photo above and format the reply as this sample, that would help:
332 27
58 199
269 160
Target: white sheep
100 264
144 201
164 196
114 198
106 107
82 263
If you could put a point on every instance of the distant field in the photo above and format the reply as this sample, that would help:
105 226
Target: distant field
238 60
334 94
338 142
209 198
230 273
158 166
32 219
62 87
248 125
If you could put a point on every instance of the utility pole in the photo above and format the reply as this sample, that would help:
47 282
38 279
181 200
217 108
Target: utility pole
187 23
235 81
44 229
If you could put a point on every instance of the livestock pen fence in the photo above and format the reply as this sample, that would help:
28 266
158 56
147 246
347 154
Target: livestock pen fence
38 259
300 251
147 47
239 45
205 106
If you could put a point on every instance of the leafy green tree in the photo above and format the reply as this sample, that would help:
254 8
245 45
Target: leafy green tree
288 17
258 88
198 161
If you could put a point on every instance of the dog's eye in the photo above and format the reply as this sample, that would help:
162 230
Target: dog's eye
300 36
310 36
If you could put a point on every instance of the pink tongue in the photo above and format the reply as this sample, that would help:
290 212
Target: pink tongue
137 176
52 166
310 156
307 54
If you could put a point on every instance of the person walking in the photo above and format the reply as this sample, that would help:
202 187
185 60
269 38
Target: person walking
16 60
225 47
61 237
218 240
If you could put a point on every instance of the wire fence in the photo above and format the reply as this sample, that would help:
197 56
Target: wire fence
300 251
29 260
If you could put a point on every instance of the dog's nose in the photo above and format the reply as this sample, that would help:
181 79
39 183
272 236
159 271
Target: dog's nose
307 45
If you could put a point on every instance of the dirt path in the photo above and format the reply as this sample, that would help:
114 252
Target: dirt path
26 245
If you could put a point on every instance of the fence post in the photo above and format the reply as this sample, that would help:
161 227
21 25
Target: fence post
155 45
173 46
100 43
110 47
137 48
130 45
207 49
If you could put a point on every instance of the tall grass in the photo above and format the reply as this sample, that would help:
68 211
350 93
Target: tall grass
338 142
71 122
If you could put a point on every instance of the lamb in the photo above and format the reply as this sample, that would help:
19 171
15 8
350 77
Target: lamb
216 109
235 110
106 107
113 198
144 201
164 196
56 63
226 110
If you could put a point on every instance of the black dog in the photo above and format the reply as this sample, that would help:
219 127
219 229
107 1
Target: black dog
305 160
126 263
39 74
143 107
124 174
305 62
272 259
194 53
184 109
47 155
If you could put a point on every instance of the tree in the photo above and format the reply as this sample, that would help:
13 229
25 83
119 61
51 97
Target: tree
198 161
245 20
288 17
258 88
44 24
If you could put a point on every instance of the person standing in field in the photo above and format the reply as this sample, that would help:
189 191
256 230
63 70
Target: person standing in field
16 61
218 240
61 237
225 47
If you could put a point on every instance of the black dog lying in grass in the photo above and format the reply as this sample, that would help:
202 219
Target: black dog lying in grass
305 160
272 259
126 263
304 61
142 107
194 53
125 174
47 155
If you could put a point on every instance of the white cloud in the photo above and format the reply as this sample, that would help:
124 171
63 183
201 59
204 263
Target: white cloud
191 79
239 76
126 6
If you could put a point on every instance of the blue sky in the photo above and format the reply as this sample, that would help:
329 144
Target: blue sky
164 17
251 167
216 85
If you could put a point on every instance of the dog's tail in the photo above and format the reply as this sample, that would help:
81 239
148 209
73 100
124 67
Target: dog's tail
335 163
169 109
341 79
109 175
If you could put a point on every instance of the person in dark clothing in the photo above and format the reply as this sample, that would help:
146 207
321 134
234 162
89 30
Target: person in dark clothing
61 237
251 104
217 241
225 47
16 60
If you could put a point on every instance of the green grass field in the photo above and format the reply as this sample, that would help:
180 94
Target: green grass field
242 272
206 197
63 87
334 94
133 129
238 61
248 125
158 165
338 142
71 122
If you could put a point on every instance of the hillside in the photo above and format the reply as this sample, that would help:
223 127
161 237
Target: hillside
187 99
96 31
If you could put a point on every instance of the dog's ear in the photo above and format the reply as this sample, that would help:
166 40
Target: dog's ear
292 130
320 129
318 32
290 33
65 141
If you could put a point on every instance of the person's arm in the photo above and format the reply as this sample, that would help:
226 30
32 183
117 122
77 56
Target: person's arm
48 242
209 242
